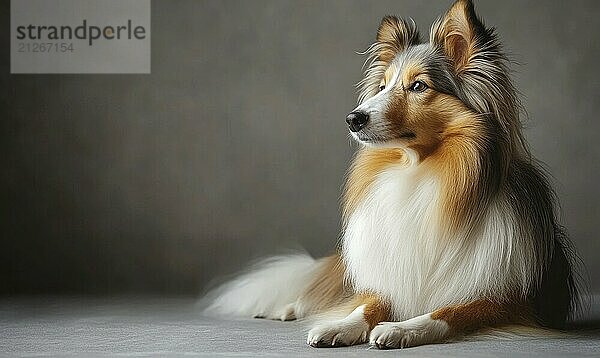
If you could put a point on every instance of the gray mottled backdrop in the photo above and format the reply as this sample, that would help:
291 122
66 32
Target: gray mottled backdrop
235 146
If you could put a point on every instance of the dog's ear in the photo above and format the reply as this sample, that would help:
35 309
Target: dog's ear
395 35
460 34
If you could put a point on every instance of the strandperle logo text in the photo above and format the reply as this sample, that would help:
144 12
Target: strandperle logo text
80 36
91 33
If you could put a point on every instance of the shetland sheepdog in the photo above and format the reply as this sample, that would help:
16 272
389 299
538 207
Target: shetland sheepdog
449 225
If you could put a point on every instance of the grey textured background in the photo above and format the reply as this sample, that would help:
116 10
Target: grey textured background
235 146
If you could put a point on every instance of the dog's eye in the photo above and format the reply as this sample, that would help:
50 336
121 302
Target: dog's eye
382 85
418 86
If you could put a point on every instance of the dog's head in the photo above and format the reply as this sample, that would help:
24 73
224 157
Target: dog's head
414 93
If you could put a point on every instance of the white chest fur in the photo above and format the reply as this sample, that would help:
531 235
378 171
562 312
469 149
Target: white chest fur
392 246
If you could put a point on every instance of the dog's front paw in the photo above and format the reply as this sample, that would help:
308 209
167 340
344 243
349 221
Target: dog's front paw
338 334
414 332
390 335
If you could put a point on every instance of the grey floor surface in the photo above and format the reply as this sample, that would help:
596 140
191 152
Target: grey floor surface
173 327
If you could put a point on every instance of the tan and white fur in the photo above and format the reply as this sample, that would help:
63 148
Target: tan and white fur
449 224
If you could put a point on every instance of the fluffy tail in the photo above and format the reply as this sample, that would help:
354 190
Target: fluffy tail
270 289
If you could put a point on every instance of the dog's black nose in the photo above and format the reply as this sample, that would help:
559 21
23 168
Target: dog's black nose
357 120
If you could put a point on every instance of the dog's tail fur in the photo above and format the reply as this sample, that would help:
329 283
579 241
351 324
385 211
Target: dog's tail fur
280 287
